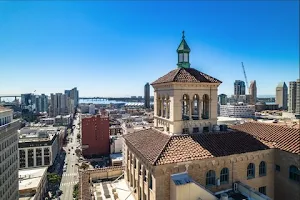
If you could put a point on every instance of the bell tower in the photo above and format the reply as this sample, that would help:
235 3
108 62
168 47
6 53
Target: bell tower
185 99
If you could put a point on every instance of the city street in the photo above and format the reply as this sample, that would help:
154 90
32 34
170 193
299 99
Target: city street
70 176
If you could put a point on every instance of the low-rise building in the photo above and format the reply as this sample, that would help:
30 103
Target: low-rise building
237 110
116 144
115 130
62 120
37 147
47 121
33 183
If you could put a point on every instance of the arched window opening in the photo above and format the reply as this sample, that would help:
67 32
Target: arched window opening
185 107
159 106
168 107
294 173
205 113
224 176
195 108
251 171
262 168
210 178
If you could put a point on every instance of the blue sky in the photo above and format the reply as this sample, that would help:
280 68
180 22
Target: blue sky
113 48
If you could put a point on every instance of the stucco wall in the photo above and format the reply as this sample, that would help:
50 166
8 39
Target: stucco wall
237 165
286 188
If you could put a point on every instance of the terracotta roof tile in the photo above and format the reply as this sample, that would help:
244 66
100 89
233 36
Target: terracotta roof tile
148 142
282 137
184 148
186 75
159 148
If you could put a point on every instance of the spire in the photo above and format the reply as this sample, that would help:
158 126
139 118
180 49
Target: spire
183 51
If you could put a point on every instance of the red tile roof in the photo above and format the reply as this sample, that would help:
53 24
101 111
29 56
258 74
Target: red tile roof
186 75
149 143
282 137
159 148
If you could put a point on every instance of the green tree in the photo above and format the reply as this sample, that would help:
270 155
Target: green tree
53 178
75 191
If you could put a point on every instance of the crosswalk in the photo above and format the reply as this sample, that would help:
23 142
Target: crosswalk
69 183
70 174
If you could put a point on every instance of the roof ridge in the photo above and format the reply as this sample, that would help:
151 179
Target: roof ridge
275 125
163 149
178 70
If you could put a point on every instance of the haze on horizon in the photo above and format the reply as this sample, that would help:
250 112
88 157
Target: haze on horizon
114 48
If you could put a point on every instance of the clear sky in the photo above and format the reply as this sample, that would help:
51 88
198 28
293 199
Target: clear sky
113 48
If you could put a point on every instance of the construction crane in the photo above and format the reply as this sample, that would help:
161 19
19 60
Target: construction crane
245 76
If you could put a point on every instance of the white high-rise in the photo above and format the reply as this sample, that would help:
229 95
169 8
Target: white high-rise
9 185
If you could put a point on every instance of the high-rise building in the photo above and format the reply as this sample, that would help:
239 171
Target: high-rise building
239 88
294 97
28 101
74 94
63 106
147 95
41 103
282 95
298 98
56 104
9 184
253 92
95 135
222 99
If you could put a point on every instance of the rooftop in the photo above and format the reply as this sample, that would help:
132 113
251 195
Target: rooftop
283 137
159 148
30 178
186 75
4 109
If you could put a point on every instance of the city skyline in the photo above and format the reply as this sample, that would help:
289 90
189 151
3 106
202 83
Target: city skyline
114 48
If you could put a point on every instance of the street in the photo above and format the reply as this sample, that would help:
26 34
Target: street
70 176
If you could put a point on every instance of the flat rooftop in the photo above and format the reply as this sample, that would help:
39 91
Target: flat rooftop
105 190
4 109
30 178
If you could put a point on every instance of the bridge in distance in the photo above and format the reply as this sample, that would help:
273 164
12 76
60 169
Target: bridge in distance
124 99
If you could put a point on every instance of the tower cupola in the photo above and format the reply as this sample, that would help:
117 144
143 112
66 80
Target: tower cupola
183 54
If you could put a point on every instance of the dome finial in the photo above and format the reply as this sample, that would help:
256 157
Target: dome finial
183 35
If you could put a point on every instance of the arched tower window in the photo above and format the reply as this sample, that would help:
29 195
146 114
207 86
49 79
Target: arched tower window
185 107
158 106
205 113
168 107
195 107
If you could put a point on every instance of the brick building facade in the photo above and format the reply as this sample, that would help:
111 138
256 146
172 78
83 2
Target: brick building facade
95 135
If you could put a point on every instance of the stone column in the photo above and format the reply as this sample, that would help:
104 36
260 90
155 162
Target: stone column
189 108
34 157
26 157
43 161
